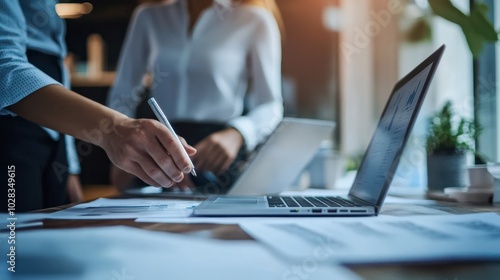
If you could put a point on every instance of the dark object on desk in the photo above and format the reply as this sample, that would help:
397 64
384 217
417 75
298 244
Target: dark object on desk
375 173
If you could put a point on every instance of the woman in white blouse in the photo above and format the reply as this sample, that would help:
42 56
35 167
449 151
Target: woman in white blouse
216 73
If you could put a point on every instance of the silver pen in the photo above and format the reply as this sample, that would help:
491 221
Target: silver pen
163 119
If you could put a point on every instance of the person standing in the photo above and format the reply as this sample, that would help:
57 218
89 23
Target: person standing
34 106
216 72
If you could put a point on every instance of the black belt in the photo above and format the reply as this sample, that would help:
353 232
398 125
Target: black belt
195 132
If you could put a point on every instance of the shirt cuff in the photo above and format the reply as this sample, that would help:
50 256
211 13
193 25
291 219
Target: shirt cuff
247 130
25 83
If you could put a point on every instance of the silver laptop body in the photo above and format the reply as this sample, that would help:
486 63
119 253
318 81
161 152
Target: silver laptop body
374 175
283 156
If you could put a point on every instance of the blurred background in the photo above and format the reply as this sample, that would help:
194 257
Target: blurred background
340 61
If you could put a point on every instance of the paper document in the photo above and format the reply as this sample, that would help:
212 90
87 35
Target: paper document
132 208
115 253
385 239
22 220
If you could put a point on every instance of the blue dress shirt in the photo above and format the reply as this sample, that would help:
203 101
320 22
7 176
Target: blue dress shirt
31 24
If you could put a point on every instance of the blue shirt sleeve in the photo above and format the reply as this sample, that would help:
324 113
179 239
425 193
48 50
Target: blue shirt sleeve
18 78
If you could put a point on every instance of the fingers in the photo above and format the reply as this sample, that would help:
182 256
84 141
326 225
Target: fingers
189 149
205 155
217 163
147 149
149 172
225 165
211 158
165 162
175 151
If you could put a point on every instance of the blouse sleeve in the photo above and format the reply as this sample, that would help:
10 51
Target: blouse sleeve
265 101
125 94
18 77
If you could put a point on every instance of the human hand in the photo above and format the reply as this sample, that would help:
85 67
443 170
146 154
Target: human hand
147 149
218 150
74 188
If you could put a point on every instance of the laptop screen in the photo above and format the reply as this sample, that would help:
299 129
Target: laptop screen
382 156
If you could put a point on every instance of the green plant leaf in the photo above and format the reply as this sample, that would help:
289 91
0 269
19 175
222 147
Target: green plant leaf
480 23
474 40
449 133
476 27
446 10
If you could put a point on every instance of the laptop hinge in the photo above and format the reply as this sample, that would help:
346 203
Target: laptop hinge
362 201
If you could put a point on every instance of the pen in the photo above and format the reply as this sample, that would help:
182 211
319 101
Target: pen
163 119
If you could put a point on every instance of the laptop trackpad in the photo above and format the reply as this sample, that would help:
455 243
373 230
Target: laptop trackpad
235 200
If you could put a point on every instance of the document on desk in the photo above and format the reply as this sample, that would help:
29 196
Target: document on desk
133 208
385 239
129 253
22 220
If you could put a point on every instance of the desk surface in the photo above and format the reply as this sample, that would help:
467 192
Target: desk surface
441 271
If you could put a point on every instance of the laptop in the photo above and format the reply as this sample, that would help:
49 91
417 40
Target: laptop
274 168
271 168
374 176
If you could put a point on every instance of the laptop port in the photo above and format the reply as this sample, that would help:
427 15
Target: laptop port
316 210
343 211
294 211
332 210
358 211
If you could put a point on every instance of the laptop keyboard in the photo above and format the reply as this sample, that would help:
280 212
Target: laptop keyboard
309 201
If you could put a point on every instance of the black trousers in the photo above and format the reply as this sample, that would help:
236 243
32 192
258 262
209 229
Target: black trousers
40 162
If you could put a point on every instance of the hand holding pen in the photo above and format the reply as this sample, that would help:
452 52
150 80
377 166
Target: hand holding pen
163 119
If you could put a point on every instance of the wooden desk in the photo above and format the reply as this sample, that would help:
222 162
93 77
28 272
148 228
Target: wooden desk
438 271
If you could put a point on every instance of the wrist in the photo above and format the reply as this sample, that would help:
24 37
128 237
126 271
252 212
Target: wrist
236 135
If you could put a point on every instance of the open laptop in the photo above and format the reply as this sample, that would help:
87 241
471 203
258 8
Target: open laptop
271 169
288 150
374 175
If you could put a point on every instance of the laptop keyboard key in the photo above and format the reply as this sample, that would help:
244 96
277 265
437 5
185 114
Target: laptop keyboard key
275 201
341 201
303 202
315 202
329 202
290 202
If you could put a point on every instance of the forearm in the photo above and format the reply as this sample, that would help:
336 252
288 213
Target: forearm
145 148
58 108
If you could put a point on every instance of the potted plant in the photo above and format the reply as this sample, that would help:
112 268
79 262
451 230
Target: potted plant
449 139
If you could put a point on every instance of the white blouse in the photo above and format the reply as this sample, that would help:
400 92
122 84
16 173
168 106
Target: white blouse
231 62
